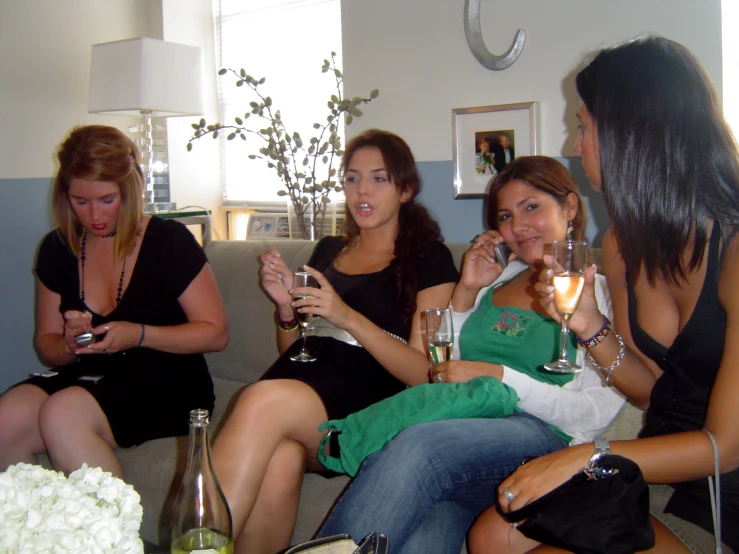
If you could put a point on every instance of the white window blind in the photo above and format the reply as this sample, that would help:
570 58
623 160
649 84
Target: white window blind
286 42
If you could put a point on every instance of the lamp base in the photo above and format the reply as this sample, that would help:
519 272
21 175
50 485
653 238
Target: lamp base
157 207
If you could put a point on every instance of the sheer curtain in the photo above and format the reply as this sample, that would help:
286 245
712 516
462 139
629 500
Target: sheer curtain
286 42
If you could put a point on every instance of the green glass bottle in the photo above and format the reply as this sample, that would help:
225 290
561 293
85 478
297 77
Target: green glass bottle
201 520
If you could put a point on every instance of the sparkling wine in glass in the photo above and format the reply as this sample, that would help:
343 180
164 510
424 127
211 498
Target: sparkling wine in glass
439 334
303 279
569 261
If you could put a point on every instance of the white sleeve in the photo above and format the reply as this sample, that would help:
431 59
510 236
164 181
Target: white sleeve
582 408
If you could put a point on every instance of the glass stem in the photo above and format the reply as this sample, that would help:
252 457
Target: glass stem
303 335
563 339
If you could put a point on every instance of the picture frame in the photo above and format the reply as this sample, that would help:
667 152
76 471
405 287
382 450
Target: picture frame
479 137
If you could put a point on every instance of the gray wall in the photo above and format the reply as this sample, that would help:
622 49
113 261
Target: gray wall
21 235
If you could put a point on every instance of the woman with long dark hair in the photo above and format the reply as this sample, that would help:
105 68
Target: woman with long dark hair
653 139
374 283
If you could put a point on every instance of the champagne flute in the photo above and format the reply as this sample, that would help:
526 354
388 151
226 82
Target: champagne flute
303 279
569 261
439 334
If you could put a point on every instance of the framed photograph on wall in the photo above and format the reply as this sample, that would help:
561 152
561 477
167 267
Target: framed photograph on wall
486 138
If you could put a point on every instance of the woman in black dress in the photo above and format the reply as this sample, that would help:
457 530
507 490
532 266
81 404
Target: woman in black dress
654 140
375 282
143 286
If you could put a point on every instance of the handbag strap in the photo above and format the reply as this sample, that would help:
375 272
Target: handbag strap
376 543
715 491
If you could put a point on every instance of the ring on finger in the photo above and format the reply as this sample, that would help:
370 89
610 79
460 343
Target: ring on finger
105 327
508 495
438 378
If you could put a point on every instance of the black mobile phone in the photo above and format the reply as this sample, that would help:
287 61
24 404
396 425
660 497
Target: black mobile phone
85 339
502 252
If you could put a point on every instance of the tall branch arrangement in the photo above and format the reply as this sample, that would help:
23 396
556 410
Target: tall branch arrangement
308 173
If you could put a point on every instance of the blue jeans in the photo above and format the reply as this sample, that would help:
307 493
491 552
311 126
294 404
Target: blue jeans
426 487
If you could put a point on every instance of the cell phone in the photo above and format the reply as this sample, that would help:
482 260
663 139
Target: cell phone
47 373
85 339
502 252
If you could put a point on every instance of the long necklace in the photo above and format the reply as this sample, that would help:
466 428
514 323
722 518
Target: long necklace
83 257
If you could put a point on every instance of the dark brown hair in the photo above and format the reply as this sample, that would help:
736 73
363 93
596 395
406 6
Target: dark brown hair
417 230
99 153
668 160
545 174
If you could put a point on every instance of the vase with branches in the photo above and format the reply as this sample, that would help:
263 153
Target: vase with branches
307 171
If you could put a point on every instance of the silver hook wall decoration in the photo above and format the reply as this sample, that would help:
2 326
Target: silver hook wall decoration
473 33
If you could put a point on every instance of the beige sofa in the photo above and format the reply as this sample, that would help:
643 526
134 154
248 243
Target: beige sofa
155 468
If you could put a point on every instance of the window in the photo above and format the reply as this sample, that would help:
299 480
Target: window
286 42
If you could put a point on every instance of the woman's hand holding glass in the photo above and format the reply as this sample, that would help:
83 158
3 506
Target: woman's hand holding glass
305 285
569 262
324 301
587 316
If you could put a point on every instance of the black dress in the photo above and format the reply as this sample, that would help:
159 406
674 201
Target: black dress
679 398
347 378
145 394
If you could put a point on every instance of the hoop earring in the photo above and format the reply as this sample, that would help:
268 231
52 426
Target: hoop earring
570 231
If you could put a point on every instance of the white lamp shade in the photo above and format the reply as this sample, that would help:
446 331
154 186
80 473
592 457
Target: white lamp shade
131 76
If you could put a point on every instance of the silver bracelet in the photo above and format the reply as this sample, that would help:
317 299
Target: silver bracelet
608 371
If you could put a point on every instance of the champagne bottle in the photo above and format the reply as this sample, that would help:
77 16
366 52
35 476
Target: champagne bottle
201 520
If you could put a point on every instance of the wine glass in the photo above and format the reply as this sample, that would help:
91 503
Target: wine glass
303 279
569 261
439 334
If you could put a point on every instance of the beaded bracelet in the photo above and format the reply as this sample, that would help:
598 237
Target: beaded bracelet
597 337
609 370
143 334
286 326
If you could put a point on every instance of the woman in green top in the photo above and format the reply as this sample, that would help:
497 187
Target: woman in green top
424 489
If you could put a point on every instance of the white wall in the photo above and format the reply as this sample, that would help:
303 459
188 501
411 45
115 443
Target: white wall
415 52
195 177
45 66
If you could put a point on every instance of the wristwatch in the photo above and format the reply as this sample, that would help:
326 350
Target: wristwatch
602 448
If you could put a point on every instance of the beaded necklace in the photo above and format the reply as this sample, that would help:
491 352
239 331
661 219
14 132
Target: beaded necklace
82 260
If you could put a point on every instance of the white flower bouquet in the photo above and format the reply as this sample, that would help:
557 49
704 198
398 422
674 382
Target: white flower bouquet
91 512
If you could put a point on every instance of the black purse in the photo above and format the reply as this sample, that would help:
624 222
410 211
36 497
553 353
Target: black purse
595 512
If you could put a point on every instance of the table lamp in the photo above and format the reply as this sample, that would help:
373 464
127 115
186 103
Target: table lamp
149 77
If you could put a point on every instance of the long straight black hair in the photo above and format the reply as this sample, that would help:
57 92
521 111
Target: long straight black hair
668 160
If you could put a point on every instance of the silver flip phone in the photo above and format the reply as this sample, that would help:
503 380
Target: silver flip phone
85 339
502 252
